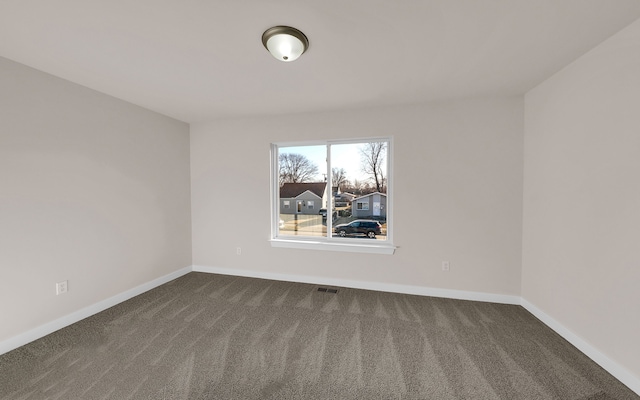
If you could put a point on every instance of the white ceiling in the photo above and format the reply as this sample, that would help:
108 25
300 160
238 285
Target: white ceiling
197 60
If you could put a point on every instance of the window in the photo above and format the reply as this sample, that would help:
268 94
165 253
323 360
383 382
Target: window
331 185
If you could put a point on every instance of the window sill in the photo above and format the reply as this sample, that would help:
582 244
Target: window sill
334 246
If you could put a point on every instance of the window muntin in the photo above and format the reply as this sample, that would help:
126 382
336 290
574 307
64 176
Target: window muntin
326 189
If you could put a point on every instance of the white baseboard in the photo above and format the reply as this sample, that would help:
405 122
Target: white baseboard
615 369
378 286
50 327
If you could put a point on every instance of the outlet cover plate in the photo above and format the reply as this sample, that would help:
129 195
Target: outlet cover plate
61 287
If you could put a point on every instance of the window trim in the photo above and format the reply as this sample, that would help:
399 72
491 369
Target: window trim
327 242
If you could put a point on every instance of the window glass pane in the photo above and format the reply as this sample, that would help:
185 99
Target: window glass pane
359 178
302 180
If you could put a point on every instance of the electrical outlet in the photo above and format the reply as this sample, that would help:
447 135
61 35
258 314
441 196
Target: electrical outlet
238 250
62 287
445 265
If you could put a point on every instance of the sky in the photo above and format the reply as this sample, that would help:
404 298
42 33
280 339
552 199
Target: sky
345 156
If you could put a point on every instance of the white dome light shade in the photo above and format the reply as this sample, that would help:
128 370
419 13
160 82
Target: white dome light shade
285 43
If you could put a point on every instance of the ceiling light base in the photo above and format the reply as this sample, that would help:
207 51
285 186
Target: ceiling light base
285 43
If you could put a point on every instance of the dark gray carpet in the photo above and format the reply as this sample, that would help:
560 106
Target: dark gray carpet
206 336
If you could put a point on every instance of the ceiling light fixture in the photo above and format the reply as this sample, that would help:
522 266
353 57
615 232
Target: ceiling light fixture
285 43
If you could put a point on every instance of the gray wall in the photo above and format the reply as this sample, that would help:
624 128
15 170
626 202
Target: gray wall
93 190
581 253
461 159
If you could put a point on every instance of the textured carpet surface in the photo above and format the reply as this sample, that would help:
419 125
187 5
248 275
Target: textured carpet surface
206 336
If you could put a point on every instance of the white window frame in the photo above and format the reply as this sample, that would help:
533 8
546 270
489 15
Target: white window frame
287 203
310 204
330 243
362 203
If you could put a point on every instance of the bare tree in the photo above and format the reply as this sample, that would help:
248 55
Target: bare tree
373 156
339 177
296 168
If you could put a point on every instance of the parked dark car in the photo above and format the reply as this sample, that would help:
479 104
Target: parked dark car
365 227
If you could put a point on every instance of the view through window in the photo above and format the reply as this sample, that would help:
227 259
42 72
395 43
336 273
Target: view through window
335 190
